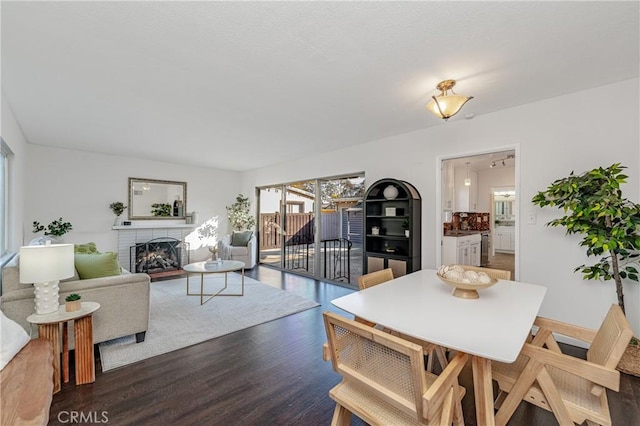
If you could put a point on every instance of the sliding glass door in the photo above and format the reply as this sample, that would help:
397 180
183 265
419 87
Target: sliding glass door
313 227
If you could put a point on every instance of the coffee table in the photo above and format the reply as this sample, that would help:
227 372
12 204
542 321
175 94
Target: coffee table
214 267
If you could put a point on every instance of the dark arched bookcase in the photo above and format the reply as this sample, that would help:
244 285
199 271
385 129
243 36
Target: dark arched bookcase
389 247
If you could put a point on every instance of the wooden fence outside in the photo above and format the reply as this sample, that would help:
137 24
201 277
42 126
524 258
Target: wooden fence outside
299 228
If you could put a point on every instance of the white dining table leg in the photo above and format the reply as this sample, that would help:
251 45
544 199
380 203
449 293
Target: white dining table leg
483 391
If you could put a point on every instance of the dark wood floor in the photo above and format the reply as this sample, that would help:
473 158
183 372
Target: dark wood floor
270 374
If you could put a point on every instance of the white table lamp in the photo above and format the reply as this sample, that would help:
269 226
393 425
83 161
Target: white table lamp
44 266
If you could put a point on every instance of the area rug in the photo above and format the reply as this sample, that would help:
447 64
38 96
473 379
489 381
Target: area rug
178 320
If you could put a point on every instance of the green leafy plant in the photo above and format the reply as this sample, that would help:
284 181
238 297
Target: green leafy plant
72 297
57 228
161 209
405 224
594 208
117 208
239 214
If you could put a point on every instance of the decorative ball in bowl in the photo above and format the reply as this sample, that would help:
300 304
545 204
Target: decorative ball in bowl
466 283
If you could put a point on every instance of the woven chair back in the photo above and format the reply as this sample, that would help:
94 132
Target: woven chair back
375 278
612 338
381 364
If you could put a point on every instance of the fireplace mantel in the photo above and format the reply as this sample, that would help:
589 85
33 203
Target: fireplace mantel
154 226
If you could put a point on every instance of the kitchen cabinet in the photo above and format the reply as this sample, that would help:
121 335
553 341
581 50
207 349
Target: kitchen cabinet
448 186
466 197
504 239
461 250
388 213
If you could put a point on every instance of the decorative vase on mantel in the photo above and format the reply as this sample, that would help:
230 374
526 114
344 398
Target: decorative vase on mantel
117 221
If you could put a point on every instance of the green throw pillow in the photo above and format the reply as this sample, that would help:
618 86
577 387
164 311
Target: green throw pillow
241 238
97 265
86 248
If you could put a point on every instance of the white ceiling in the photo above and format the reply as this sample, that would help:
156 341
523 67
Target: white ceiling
242 85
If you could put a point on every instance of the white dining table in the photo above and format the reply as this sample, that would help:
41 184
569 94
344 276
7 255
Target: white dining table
493 327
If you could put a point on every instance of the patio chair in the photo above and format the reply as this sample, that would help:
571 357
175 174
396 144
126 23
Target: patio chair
384 381
572 388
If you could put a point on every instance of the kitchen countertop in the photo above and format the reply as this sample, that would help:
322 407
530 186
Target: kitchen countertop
461 233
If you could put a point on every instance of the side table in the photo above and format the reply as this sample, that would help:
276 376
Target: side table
49 328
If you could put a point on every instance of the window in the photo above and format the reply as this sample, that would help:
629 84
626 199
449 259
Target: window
5 153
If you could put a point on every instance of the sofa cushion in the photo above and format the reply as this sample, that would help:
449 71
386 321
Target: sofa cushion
241 238
97 265
86 248
12 339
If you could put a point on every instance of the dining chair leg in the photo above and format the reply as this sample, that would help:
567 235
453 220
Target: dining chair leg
341 416
517 392
553 397
483 390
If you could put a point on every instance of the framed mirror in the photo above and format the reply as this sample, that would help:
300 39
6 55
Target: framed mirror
157 199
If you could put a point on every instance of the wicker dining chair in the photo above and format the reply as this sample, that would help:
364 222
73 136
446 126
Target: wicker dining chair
572 388
384 381
378 277
499 274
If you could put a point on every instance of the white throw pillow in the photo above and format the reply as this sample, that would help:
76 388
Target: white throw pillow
12 339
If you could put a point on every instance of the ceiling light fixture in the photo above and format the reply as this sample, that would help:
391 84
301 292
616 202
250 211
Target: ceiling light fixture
467 180
501 160
447 105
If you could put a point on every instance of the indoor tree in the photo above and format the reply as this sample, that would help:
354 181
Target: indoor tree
239 214
608 223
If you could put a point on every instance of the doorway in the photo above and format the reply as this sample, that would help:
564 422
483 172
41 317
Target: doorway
479 195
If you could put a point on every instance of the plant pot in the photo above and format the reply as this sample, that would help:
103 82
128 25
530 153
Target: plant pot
117 221
630 361
407 233
72 306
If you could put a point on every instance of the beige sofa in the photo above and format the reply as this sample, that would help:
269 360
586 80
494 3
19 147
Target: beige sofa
123 299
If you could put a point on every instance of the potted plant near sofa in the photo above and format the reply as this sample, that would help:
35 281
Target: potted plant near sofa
54 231
609 224
72 302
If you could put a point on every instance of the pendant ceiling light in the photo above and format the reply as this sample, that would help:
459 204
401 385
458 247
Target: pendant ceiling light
447 105
467 180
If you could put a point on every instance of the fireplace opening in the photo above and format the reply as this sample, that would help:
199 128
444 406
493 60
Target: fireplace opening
160 256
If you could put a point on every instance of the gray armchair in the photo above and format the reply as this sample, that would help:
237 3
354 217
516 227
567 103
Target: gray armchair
246 254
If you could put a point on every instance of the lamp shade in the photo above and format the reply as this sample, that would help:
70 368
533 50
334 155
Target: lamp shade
39 264
447 106
447 103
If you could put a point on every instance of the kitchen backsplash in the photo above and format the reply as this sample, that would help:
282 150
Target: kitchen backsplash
471 221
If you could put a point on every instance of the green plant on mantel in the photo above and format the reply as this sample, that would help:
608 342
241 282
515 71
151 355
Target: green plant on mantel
161 209
239 214
57 228
609 224
117 208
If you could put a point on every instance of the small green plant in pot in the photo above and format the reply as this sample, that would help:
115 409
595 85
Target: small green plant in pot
117 208
405 226
608 223
72 302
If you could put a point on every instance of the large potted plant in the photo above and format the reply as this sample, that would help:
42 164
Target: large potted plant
609 225
239 214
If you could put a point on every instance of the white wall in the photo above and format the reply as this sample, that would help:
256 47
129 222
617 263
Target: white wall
79 186
554 136
13 137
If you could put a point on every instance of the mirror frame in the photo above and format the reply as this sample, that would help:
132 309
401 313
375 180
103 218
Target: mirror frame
157 182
